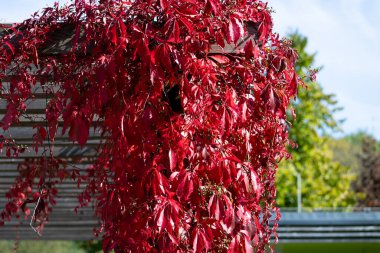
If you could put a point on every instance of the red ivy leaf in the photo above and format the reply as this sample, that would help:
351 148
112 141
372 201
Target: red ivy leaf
186 186
113 34
156 183
164 4
162 55
235 30
35 56
79 130
189 26
240 244
293 86
172 159
10 46
249 50
201 239
123 28
220 39
214 6
176 32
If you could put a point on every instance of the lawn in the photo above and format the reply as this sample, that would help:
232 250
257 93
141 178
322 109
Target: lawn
328 247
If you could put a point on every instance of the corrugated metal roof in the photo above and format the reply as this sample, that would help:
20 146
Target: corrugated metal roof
329 227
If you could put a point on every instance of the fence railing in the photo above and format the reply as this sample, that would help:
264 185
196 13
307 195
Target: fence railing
330 209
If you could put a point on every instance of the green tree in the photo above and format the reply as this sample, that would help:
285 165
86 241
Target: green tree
368 182
347 150
325 182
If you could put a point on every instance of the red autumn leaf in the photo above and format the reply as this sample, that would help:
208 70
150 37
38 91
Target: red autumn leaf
42 132
79 130
220 58
214 6
166 218
263 31
249 50
256 51
176 32
156 183
240 244
220 39
244 112
144 51
10 46
35 56
225 122
235 30
113 34
162 56
293 86
185 187
256 186
269 98
216 207
164 4
234 159
172 159
123 28
39 137
201 239
189 26
10 116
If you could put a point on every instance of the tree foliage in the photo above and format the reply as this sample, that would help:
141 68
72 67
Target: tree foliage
368 182
191 138
325 182
361 152
347 150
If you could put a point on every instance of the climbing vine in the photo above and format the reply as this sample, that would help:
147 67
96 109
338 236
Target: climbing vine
191 107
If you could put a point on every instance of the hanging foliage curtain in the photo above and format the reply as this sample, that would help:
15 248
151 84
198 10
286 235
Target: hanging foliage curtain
190 99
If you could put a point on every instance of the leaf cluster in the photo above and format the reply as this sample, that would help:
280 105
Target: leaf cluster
192 130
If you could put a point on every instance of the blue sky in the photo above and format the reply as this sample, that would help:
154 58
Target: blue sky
346 36
344 33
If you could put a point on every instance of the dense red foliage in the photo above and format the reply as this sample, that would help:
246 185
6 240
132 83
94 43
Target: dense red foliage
191 139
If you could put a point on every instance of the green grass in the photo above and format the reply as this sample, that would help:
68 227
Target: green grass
40 247
328 247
